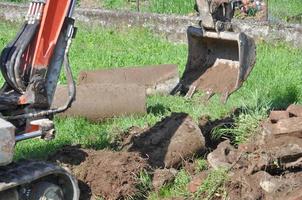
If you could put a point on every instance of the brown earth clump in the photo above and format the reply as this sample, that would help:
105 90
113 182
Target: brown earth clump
107 174
169 142
268 166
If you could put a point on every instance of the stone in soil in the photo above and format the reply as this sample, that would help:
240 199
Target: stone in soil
295 110
270 164
291 126
169 142
277 115
223 156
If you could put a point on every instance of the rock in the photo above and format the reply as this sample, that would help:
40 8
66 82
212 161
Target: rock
245 187
276 154
169 142
275 116
295 110
219 157
162 177
289 187
197 181
295 195
291 127
286 150
269 184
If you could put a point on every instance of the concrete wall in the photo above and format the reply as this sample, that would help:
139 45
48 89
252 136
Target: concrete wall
173 27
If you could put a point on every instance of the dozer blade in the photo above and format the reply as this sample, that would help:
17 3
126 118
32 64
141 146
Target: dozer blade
217 62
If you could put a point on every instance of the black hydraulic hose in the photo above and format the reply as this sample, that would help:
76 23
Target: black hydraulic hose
13 55
29 37
5 55
71 95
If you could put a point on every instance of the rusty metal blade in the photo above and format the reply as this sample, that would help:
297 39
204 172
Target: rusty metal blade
218 62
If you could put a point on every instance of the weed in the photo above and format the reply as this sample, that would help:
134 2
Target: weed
212 184
201 165
246 124
177 189
144 185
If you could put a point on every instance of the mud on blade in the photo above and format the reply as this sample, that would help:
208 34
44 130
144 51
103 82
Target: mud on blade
217 62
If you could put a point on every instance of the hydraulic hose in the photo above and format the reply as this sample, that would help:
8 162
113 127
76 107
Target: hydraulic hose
71 94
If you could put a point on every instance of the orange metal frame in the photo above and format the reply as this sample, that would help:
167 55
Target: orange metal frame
54 14
40 52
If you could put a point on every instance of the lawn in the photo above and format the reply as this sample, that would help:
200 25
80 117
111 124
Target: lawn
275 82
284 9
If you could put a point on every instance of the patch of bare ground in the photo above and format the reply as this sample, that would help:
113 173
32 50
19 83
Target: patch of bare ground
111 175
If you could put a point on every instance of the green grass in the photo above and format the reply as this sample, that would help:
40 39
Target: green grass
283 9
275 82
245 126
177 189
168 7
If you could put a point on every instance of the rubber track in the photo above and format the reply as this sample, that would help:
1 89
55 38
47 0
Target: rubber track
26 171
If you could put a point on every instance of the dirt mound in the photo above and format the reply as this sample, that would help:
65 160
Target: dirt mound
111 175
268 166
169 142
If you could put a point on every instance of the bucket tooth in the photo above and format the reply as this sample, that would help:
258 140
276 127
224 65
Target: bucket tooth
218 62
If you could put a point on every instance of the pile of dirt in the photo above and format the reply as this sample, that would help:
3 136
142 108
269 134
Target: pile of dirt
114 175
169 142
268 166
111 175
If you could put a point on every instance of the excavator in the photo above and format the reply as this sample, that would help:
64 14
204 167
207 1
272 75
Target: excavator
32 63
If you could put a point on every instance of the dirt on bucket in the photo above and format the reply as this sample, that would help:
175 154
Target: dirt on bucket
107 174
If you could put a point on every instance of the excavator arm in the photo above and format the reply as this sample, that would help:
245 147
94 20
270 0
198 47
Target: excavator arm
32 62
31 65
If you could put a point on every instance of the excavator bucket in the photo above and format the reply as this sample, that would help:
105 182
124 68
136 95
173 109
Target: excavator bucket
218 62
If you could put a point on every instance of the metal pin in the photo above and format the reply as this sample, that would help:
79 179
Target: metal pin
40 11
31 18
28 12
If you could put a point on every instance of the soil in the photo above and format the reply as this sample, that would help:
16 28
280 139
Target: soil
111 175
220 78
169 142
268 166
